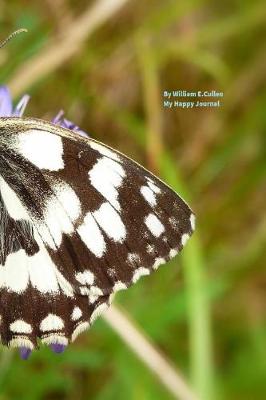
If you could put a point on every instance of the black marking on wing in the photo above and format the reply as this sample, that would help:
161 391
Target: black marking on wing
15 235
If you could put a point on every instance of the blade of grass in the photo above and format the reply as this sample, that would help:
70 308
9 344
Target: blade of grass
147 352
152 102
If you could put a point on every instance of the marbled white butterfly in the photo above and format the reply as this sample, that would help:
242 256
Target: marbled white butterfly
79 221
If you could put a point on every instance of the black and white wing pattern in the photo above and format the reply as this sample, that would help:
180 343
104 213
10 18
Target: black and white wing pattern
79 221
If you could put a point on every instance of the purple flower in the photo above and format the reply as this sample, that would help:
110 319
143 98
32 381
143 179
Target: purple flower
8 110
6 106
57 347
65 123
24 352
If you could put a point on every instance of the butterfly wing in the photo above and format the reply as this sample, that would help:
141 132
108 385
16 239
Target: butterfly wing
87 221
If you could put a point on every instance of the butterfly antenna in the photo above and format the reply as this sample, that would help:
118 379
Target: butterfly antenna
2 44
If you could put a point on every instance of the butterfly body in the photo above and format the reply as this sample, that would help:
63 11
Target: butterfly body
79 221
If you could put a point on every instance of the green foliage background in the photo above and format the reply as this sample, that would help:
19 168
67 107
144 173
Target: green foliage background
205 310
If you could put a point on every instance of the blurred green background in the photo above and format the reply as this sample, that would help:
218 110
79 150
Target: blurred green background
205 310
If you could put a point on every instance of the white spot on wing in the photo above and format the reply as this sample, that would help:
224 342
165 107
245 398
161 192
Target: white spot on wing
54 338
148 195
110 221
192 221
61 211
50 232
14 275
13 204
184 239
68 200
94 293
41 148
20 326
42 271
92 236
76 314
153 187
106 176
84 290
51 323
98 311
119 286
104 151
79 329
159 261
85 278
21 342
173 253
154 225
140 272
65 286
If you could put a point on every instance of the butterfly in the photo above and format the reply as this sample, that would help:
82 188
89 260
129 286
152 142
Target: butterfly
79 221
